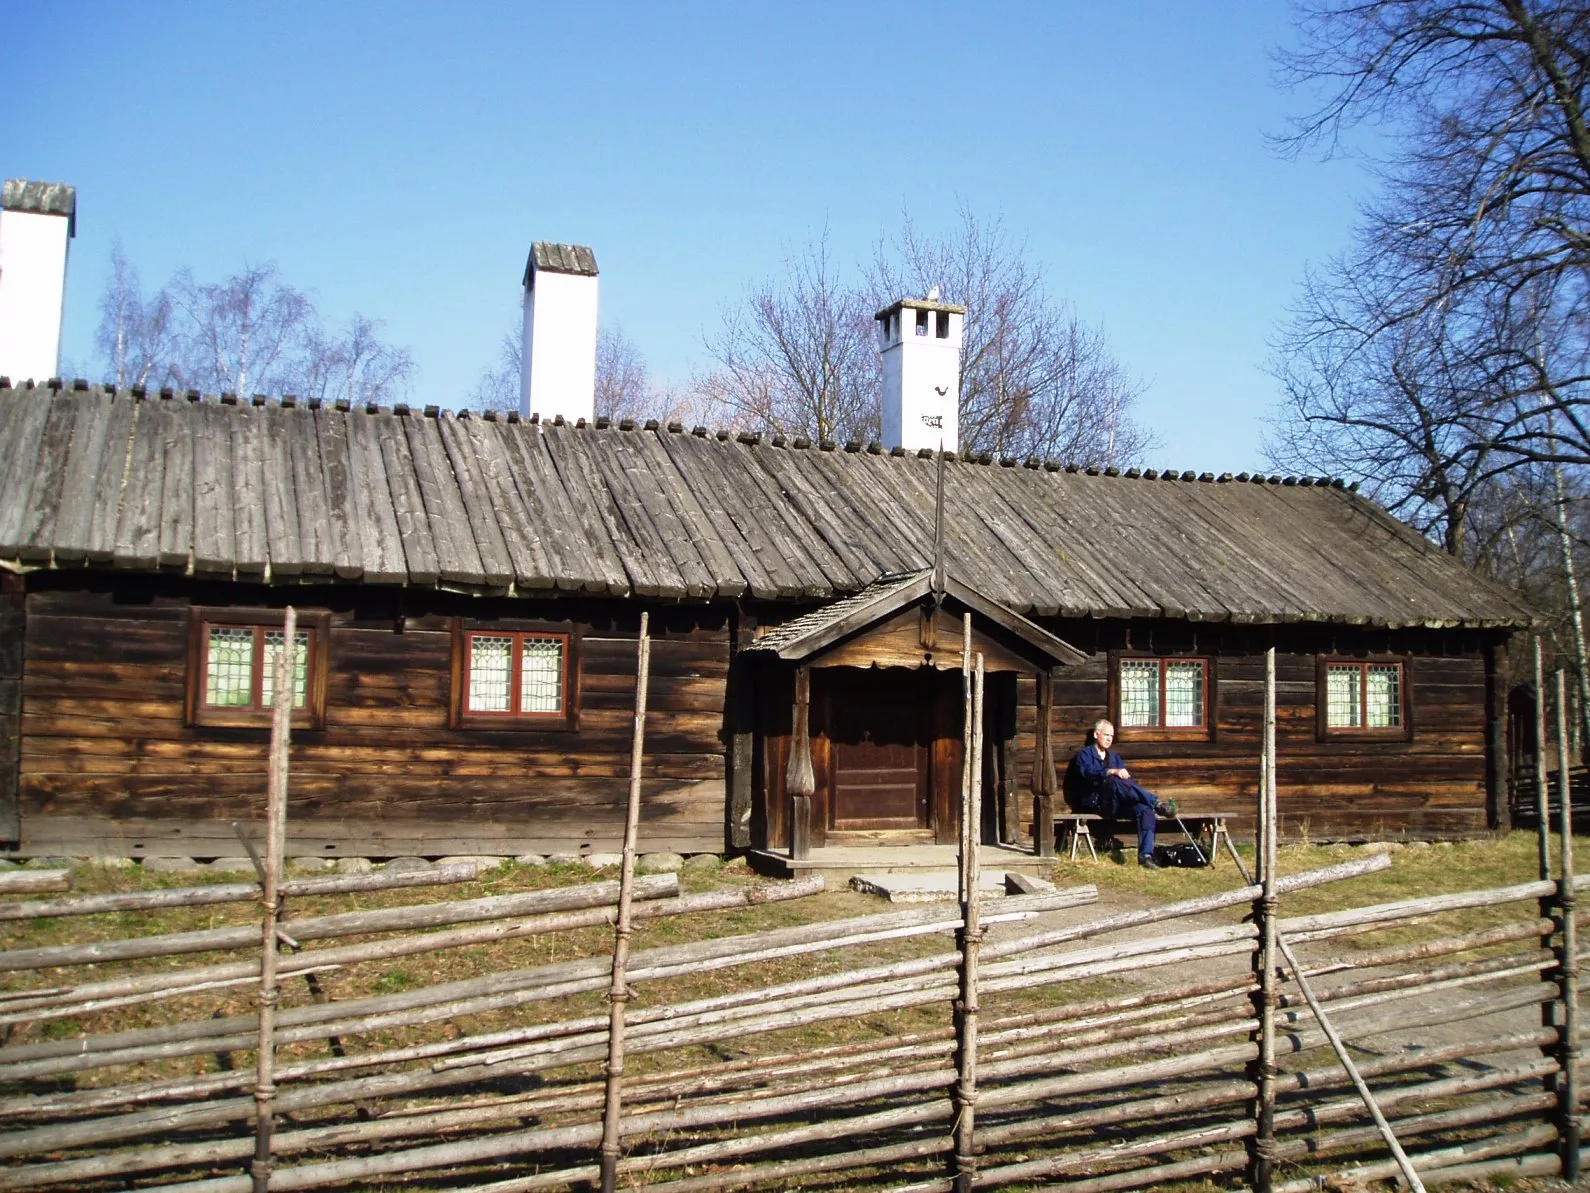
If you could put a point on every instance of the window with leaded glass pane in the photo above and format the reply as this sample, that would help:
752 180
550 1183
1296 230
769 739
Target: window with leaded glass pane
232 674
490 670
274 640
229 667
1139 693
515 675
541 675
1344 700
1162 694
1362 697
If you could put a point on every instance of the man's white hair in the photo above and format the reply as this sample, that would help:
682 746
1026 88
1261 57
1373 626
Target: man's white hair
1103 723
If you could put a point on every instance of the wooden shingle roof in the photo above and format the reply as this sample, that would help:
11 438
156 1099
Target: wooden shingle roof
280 491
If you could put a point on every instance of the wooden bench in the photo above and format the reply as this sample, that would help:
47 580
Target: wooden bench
1074 832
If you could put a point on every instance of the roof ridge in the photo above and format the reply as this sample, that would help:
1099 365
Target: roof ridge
750 438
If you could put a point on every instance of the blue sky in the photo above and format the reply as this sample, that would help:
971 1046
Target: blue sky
399 159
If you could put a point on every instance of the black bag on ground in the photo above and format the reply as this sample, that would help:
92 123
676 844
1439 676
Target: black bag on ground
1183 856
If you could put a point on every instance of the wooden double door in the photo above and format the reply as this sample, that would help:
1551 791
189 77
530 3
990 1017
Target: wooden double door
893 751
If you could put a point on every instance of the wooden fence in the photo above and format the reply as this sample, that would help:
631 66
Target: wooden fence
1126 1051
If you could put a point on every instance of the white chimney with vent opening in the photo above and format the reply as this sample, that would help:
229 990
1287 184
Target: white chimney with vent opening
920 341
559 358
37 223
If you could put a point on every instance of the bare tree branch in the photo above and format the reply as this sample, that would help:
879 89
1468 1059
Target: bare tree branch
799 357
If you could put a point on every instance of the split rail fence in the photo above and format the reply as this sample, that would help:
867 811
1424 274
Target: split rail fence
1201 1039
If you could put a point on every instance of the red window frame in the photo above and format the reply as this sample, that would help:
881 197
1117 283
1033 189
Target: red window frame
514 717
316 624
1200 732
1403 731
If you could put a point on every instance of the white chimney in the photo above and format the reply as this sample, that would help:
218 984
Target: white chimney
920 340
37 223
559 359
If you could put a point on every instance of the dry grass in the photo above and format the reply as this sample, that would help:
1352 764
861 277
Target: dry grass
1416 870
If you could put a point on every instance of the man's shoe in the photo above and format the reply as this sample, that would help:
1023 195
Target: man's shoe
1148 863
1167 808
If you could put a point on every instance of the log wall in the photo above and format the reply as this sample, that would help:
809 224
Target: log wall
109 765
13 614
102 759
1432 786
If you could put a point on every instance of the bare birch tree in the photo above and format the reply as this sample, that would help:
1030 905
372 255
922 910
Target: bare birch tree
135 336
797 357
623 384
248 333
498 386
624 387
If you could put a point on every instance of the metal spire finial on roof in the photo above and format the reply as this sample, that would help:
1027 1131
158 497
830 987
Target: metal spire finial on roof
938 531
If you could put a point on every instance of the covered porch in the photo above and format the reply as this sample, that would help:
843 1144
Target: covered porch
861 735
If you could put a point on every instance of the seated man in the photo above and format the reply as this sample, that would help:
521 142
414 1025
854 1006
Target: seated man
1098 781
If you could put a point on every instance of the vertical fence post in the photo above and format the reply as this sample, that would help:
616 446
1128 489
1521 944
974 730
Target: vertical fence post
1264 911
1548 903
971 939
1542 797
967 731
1567 960
619 993
275 847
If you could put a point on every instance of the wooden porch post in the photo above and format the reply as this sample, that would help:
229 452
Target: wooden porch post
741 702
800 779
1043 782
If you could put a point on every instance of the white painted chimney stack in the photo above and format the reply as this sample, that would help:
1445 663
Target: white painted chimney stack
559 358
920 341
37 223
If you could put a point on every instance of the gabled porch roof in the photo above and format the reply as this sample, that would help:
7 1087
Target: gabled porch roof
812 633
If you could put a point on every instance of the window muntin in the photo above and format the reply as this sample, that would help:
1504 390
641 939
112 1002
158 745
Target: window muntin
1163 694
1364 697
515 674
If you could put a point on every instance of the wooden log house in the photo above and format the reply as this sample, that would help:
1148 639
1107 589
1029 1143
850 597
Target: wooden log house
469 589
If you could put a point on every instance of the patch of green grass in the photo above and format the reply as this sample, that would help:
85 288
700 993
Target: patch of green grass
394 981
